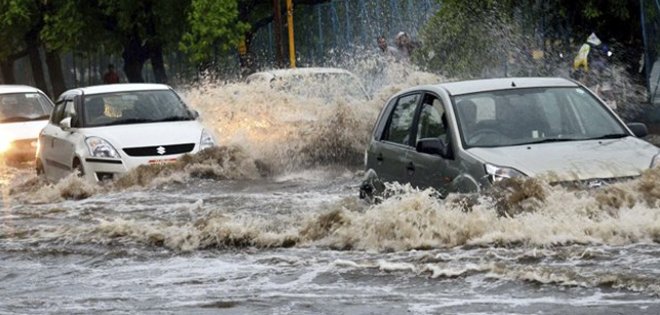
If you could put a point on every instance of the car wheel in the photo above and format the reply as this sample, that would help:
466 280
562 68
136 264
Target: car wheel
78 168
372 187
39 167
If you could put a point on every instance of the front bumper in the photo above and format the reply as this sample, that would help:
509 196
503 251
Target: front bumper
100 169
593 183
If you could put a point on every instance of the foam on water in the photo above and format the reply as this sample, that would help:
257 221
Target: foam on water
409 220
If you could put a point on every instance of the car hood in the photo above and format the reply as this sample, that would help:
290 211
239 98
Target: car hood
574 160
148 134
22 130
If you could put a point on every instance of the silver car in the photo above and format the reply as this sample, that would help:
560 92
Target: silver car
465 136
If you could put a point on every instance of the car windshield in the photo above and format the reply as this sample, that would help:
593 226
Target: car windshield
134 107
321 85
18 107
536 115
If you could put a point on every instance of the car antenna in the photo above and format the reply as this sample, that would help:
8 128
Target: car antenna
513 84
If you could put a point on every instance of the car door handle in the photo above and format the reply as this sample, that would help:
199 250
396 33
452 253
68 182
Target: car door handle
379 157
411 168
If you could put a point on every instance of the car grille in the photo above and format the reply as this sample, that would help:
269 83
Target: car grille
160 150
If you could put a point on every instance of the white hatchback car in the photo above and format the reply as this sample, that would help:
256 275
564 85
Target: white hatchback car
106 130
24 111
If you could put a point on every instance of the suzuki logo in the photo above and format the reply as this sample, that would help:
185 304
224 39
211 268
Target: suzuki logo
596 184
160 150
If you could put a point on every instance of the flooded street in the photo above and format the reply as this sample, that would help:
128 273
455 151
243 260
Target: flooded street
297 244
270 223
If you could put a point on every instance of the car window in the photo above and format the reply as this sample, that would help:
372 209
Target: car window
16 107
134 107
523 116
401 120
58 113
70 111
485 108
430 123
595 119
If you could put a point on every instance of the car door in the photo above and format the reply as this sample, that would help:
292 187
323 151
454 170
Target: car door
432 170
47 142
388 155
62 144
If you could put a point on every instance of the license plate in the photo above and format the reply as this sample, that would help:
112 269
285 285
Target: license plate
162 161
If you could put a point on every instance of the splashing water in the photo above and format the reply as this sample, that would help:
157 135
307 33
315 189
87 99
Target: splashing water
287 131
271 215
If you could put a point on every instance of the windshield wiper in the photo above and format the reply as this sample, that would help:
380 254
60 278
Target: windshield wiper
609 136
548 140
24 118
128 121
173 118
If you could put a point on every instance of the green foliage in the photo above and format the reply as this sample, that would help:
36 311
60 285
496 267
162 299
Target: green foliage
94 24
467 38
464 38
16 18
212 24
76 24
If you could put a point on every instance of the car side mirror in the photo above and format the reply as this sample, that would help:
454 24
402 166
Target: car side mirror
434 146
65 124
194 114
638 129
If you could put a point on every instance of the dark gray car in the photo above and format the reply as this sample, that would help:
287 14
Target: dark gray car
464 136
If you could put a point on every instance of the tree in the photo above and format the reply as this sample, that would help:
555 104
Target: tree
465 38
219 25
139 30
20 25
213 24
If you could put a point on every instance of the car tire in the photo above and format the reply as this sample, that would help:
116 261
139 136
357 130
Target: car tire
78 168
372 188
39 168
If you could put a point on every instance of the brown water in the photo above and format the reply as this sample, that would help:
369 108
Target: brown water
270 223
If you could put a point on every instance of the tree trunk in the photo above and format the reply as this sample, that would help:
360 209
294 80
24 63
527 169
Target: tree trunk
133 70
7 70
157 63
35 64
54 64
8 74
135 56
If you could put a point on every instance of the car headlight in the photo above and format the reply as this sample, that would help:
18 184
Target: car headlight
206 141
101 148
5 144
498 173
656 161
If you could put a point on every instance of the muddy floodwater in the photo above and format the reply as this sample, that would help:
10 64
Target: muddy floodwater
270 223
